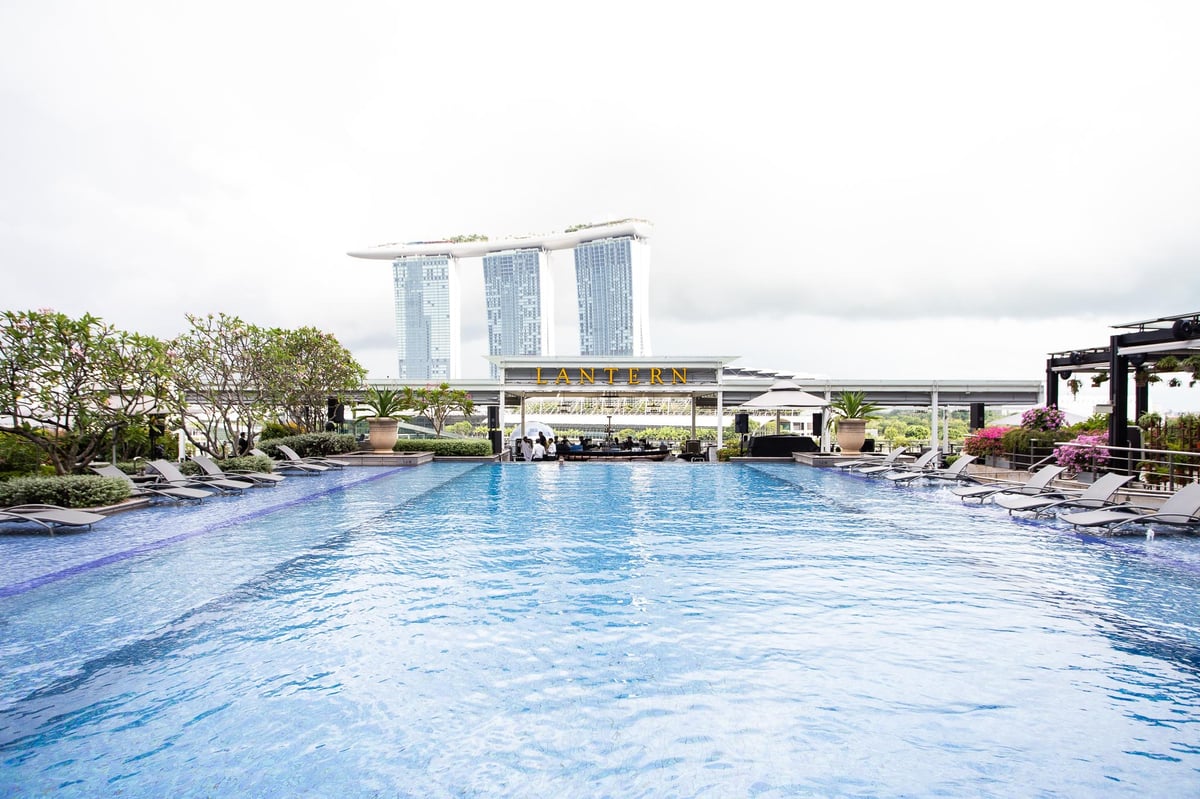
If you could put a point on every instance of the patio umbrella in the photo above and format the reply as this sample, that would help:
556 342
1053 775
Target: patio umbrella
784 394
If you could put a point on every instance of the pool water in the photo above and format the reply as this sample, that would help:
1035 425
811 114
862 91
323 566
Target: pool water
590 629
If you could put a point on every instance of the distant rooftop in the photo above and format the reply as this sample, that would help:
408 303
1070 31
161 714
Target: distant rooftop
477 246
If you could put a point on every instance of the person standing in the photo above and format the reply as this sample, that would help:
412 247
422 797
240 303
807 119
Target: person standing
539 449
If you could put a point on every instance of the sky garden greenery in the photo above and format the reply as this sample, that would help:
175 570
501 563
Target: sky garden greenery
71 388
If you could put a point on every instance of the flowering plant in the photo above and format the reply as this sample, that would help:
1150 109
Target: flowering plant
1047 418
1084 453
985 442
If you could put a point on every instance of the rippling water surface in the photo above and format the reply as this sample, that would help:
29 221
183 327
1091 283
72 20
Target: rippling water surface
614 630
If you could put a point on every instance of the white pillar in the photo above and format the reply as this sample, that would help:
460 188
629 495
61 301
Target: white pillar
693 417
503 443
933 417
826 443
720 418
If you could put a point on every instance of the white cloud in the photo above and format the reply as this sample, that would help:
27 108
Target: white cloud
835 188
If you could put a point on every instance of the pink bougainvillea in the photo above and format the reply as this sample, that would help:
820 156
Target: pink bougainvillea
985 442
1084 453
1047 418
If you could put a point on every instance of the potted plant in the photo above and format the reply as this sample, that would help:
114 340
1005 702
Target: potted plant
852 411
383 424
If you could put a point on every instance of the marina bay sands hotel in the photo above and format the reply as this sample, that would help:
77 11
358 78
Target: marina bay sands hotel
612 279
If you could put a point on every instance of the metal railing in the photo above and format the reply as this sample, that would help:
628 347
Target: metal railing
1156 469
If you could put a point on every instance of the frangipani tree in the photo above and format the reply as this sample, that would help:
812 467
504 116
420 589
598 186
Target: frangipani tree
436 403
301 368
216 367
66 384
230 373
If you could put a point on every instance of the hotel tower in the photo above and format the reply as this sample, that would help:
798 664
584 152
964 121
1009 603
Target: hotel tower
519 295
612 268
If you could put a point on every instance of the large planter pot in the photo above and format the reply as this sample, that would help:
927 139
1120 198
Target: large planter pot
851 433
382 433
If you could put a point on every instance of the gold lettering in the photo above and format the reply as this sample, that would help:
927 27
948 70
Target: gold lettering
678 375
656 376
540 381
588 375
633 376
612 370
562 377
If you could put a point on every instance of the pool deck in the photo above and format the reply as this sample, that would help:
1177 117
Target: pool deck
386 458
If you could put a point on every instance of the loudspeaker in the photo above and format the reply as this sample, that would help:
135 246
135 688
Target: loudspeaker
741 422
976 421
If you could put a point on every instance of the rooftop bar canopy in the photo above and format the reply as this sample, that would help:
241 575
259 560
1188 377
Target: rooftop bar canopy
711 383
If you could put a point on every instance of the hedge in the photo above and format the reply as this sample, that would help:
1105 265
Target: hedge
311 445
446 446
246 463
70 491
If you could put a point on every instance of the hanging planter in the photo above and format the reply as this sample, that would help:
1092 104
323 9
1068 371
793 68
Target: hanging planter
1074 384
1099 379
1142 376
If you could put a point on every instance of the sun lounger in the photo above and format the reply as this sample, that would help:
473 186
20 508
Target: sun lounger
1098 495
50 517
291 455
920 464
157 490
1181 509
878 460
293 467
173 477
1037 484
211 469
956 471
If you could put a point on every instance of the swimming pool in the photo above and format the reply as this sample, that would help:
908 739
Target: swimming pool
596 630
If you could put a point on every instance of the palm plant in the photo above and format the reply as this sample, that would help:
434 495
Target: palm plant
853 405
384 403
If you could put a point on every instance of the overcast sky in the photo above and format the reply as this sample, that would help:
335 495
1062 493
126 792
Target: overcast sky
859 190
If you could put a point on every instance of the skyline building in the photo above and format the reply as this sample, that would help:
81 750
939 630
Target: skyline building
519 297
612 288
425 292
612 266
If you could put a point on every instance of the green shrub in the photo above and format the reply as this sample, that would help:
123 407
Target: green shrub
249 463
311 445
18 456
1017 440
69 491
446 446
278 430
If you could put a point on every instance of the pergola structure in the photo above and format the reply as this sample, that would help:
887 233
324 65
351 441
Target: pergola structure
711 383
1143 345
